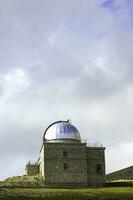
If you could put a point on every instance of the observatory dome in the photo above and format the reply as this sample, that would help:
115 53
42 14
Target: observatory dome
60 131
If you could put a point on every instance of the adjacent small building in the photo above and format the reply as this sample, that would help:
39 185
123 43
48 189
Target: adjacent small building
66 161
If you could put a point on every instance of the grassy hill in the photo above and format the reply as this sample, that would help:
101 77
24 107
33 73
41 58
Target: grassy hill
123 174
67 194
23 181
37 182
32 188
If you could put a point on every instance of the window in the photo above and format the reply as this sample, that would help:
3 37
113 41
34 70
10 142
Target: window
65 153
99 169
65 166
99 154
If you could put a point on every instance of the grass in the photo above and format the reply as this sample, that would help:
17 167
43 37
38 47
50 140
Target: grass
115 193
32 188
23 181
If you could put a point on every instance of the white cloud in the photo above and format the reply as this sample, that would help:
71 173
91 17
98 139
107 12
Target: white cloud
130 95
122 154
71 59
14 82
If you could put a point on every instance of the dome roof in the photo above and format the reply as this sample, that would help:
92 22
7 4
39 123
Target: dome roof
61 130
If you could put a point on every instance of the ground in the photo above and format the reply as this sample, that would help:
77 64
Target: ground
114 193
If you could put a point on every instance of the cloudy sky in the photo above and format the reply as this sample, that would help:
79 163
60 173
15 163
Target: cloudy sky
65 59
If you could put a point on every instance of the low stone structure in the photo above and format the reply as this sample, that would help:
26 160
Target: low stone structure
32 169
65 161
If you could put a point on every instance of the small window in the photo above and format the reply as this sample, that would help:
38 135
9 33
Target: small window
99 169
99 155
65 153
65 166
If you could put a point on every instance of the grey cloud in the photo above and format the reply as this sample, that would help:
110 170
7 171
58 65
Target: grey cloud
77 61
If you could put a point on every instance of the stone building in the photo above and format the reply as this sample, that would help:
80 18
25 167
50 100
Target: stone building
66 161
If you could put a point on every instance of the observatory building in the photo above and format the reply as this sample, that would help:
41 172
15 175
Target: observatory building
66 161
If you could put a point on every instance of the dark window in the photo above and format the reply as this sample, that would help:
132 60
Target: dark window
99 169
99 155
65 153
65 166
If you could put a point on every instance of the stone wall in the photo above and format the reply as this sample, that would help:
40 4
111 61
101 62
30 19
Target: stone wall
41 162
70 165
32 169
75 162
95 166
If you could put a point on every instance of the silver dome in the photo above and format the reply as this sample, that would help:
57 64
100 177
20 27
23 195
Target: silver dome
61 130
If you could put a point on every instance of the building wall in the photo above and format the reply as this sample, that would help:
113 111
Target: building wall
82 165
32 169
55 175
41 162
95 166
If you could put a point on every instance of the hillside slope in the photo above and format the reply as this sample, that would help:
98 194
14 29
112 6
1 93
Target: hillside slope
23 181
126 173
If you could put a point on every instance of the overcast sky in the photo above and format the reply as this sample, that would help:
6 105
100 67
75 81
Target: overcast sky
63 59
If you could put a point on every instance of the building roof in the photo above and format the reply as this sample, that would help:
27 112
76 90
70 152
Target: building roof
61 130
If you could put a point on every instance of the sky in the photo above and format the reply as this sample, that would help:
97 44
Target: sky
64 60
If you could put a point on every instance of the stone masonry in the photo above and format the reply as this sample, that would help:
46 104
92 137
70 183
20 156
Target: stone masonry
85 165
66 161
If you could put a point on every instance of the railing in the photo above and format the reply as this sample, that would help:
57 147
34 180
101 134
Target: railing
32 162
92 144
83 141
95 144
